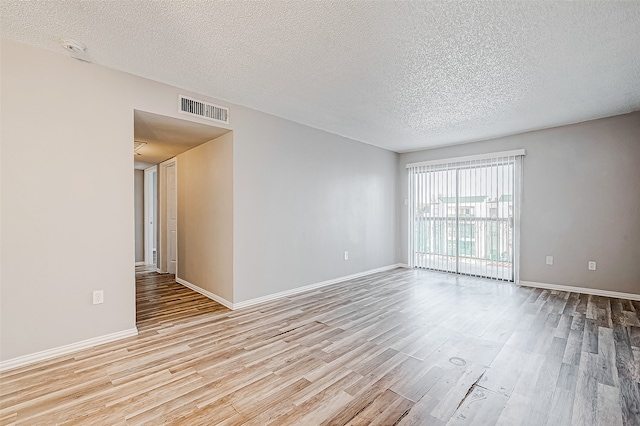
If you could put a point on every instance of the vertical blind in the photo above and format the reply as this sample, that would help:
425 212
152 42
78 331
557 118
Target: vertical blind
464 215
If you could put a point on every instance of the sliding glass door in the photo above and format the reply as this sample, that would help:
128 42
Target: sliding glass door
464 215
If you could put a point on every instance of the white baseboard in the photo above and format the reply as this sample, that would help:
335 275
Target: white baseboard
140 264
583 290
212 296
403 265
66 349
297 290
282 294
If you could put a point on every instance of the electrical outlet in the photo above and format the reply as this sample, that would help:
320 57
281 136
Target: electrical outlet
98 297
592 265
346 255
549 260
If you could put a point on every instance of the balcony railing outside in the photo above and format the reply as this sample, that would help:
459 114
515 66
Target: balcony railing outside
480 246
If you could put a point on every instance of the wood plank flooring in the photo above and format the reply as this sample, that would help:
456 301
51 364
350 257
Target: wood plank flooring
404 347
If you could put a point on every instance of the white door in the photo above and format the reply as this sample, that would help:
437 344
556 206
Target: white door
172 218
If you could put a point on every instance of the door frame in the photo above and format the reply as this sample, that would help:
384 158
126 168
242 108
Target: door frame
150 222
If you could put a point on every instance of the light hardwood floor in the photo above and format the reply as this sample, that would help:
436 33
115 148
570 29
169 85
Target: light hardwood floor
404 347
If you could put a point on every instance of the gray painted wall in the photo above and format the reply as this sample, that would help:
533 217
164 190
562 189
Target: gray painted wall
71 214
581 201
138 191
301 198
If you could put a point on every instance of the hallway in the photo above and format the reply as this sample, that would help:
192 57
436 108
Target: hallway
159 300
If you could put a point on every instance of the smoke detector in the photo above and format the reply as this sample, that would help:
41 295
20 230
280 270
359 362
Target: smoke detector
73 46
76 49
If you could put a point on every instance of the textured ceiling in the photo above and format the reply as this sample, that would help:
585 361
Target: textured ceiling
400 75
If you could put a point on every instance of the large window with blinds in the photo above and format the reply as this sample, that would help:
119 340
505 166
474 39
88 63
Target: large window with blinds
465 215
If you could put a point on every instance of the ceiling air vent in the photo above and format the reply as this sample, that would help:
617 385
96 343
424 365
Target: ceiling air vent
137 145
202 109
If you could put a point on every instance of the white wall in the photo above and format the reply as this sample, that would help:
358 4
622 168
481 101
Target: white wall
581 201
301 197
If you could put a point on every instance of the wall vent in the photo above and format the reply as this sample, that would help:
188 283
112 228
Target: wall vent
206 110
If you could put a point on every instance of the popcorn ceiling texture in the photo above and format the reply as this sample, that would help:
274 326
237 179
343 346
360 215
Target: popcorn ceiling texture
400 75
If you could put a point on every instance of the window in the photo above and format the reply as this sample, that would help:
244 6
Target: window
478 232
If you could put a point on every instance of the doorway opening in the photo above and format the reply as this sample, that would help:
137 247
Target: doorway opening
158 142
